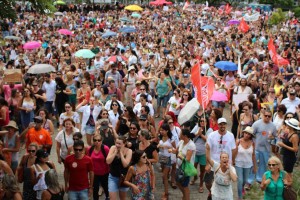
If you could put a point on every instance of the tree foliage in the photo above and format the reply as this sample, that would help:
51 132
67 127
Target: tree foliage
277 17
40 6
297 12
278 3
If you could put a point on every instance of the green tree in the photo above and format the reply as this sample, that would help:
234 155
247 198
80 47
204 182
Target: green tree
297 12
277 17
40 6
279 3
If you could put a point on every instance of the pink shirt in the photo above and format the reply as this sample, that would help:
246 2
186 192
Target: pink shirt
99 161
7 90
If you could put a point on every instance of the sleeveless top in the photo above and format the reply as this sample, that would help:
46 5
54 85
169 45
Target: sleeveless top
41 184
28 104
167 143
142 181
162 88
244 157
286 152
57 196
244 125
72 87
97 94
274 191
116 168
2 122
11 143
46 125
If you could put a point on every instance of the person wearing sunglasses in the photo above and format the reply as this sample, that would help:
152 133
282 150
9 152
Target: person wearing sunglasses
291 102
69 114
274 180
114 113
79 173
109 102
140 176
264 131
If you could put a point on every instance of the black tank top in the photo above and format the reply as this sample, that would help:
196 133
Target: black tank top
286 152
58 196
116 168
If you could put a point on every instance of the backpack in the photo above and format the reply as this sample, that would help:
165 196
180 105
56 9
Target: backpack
102 150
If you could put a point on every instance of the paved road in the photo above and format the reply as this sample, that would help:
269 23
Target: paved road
174 193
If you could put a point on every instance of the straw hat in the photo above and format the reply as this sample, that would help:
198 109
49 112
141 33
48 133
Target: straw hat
12 124
249 129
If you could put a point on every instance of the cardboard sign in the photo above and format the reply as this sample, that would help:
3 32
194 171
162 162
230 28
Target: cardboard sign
238 98
12 76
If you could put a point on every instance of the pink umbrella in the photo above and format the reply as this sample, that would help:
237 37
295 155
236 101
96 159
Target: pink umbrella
31 45
65 32
117 58
218 96
233 22
160 2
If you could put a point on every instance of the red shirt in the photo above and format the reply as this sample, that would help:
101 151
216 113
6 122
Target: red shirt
99 161
78 170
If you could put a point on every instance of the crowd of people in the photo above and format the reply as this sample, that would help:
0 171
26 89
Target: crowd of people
113 118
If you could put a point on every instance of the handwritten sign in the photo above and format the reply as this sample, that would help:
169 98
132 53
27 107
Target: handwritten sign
12 76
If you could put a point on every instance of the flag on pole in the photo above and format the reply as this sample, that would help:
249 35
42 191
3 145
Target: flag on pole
227 9
186 5
277 59
244 26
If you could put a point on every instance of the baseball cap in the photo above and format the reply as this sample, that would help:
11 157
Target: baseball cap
143 117
104 124
222 120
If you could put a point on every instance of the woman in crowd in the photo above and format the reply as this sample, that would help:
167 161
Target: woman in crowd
69 114
164 145
201 131
98 153
83 93
61 95
96 92
224 175
14 102
213 119
129 81
47 123
140 177
10 188
11 142
173 102
114 113
186 150
245 158
274 179
71 89
122 126
105 97
27 107
289 145
144 124
186 97
162 89
27 161
247 118
64 140
145 110
89 117
147 147
38 170
132 136
54 189
118 158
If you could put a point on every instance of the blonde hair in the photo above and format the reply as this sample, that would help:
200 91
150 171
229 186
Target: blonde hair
277 161
33 144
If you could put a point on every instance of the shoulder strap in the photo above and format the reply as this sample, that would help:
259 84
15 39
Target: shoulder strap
217 169
91 150
103 151
291 136
65 139
49 165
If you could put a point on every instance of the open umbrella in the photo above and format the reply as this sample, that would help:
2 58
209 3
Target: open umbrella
85 53
11 37
58 13
188 111
41 69
208 27
58 24
218 96
133 8
32 45
109 34
233 22
65 32
125 19
136 15
160 3
127 30
117 58
226 65
59 2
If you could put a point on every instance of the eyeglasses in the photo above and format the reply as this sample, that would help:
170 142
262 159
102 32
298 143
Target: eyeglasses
142 89
83 83
104 113
31 151
78 150
272 165
269 116
75 139
114 104
170 122
133 128
289 117
67 106
97 140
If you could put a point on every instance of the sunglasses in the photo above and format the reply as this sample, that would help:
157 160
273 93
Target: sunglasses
34 85
97 140
78 150
75 139
115 105
202 121
125 110
142 89
144 156
272 165
83 83
269 116
133 128
170 122
185 95
289 117
104 113
67 106
293 94
31 151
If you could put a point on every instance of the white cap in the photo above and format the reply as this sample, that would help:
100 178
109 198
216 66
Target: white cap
222 120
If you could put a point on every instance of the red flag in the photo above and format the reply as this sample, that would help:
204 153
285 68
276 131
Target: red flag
227 9
186 5
277 59
244 26
220 11
203 86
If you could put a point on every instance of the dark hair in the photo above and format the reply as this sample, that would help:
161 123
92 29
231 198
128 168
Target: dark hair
45 111
59 81
119 107
187 133
282 108
218 113
100 114
123 138
286 114
130 112
3 102
207 123
147 109
144 96
166 127
77 134
105 90
136 156
137 125
78 143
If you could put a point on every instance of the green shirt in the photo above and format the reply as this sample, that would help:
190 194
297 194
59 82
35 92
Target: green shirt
274 191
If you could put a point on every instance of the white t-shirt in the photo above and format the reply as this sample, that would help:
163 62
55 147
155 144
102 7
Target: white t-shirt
218 144
49 88
75 117
138 106
176 135
182 149
173 104
69 140
113 118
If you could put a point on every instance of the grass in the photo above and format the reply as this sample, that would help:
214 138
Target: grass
257 194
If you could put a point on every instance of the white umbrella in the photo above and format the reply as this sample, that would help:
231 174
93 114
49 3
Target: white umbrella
188 111
11 37
58 13
40 69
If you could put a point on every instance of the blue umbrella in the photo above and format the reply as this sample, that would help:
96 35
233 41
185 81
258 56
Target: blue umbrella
109 34
226 65
208 27
125 19
127 30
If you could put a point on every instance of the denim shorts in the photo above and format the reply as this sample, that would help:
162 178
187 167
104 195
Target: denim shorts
78 195
169 164
48 106
113 184
185 182
162 101
89 129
